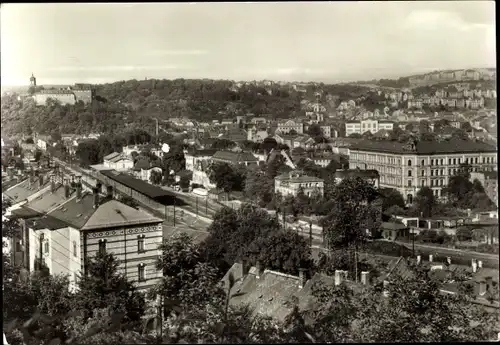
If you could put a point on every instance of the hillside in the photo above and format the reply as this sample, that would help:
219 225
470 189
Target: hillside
135 102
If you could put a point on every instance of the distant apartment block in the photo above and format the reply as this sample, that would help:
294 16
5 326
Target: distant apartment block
363 126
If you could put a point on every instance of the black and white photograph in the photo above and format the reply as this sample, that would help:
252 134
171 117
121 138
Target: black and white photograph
249 172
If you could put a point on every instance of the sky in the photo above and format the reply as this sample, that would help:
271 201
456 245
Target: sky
289 41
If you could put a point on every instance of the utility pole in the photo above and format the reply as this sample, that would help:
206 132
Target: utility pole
174 209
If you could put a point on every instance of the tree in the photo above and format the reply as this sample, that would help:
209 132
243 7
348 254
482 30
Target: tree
425 202
103 287
88 153
290 252
424 127
391 197
460 134
258 187
187 278
425 314
156 177
276 166
38 155
223 144
184 182
314 130
355 136
292 132
269 144
353 216
466 126
232 233
464 233
225 177
56 136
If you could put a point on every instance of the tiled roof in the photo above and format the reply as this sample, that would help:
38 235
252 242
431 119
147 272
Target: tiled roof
357 173
75 212
114 213
142 163
425 147
48 200
111 156
297 178
234 157
23 190
202 153
55 92
46 222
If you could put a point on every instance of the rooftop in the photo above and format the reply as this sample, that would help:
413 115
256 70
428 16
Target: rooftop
235 157
140 186
297 177
356 173
425 147
23 190
114 214
75 212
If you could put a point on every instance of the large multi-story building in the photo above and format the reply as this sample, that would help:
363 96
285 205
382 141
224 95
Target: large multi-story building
372 126
409 166
289 125
290 184
67 95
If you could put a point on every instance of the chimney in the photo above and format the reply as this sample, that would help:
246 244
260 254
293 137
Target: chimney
244 268
474 265
419 259
339 277
78 191
430 257
386 291
364 278
479 264
489 282
481 287
96 197
109 191
52 184
259 270
302 278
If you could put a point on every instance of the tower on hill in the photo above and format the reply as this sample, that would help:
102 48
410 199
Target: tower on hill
32 80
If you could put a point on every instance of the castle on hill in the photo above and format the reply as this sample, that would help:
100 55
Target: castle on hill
65 95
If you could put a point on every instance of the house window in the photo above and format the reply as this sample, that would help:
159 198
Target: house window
102 246
432 183
46 245
432 172
422 172
140 243
422 162
409 173
442 161
432 162
409 162
454 161
75 253
141 272
409 183
449 161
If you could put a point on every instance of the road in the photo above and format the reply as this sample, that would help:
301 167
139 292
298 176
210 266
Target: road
451 251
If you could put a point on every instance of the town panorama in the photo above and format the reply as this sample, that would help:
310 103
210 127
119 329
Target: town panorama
249 173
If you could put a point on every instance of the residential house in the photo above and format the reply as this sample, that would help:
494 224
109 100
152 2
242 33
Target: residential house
258 120
257 136
74 232
290 184
118 162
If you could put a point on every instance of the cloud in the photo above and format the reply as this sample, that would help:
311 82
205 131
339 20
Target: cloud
438 20
115 68
167 52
